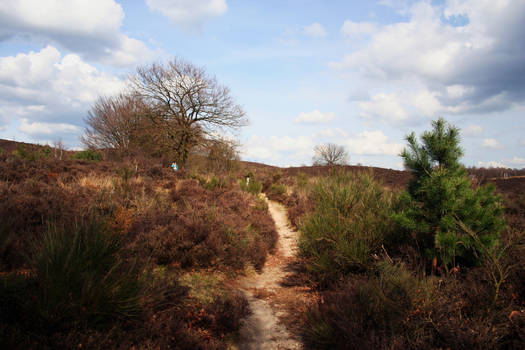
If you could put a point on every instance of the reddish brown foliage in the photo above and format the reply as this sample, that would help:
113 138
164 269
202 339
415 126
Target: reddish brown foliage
162 218
208 228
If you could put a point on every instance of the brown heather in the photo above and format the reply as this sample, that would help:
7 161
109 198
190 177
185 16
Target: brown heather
163 225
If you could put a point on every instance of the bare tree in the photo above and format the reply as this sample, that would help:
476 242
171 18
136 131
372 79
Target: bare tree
58 149
186 102
116 122
221 154
330 154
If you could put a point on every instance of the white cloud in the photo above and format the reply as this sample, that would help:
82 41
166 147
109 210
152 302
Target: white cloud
491 164
372 143
459 65
46 87
383 106
314 117
401 107
280 150
188 13
458 91
517 161
287 150
491 143
315 30
128 53
287 143
332 133
39 128
352 29
88 28
89 17
472 130
514 163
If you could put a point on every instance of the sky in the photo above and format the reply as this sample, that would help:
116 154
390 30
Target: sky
361 74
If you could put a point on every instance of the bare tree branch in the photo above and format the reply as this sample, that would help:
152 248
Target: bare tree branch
116 122
330 154
186 102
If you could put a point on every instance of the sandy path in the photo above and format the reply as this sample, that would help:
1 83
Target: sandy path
264 328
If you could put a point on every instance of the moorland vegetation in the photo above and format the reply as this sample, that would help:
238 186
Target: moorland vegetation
110 248
121 254
435 262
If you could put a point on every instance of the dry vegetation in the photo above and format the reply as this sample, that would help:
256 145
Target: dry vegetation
377 288
393 299
103 254
163 249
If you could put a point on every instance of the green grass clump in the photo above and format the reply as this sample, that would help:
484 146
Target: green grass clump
350 221
214 182
80 277
203 287
32 153
277 189
88 155
253 186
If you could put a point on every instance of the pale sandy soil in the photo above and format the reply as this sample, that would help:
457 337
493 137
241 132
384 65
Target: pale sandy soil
274 303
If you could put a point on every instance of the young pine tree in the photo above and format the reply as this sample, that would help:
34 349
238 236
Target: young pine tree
440 199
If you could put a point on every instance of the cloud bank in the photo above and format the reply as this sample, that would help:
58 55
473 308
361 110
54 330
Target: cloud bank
90 29
464 57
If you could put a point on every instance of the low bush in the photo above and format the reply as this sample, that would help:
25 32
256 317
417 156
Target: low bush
371 312
393 308
76 281
80 277
222 229
350 221
213 183
221 308
96 284
88 155
277 192
252 186
31 152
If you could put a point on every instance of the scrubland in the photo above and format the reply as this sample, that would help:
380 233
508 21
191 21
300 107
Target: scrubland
376 288
97 254
122 254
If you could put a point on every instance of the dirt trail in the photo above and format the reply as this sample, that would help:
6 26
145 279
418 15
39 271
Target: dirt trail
269 299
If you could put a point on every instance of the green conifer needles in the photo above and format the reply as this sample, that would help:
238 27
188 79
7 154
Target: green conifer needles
440 196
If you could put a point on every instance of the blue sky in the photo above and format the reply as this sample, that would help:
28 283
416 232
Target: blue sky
361 74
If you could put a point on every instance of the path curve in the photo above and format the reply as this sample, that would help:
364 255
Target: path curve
263 329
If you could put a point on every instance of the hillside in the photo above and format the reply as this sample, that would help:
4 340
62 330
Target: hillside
128 253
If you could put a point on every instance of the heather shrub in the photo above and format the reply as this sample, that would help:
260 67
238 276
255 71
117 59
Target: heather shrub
202 228
7 239
24 207
66 285
371 312
222 308
349 223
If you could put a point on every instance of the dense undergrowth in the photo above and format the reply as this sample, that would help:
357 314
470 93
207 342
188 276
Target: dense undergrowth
98 254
